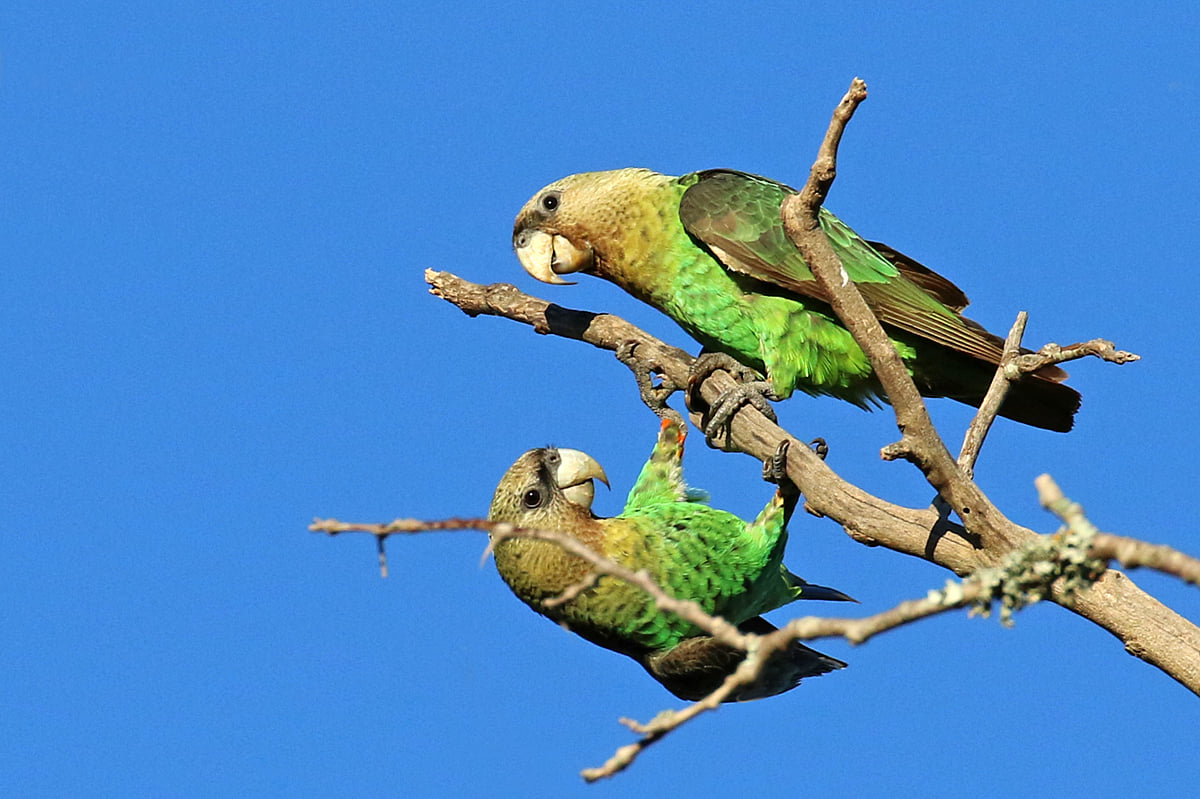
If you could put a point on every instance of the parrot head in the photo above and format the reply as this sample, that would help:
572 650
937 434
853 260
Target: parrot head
547 488
568 226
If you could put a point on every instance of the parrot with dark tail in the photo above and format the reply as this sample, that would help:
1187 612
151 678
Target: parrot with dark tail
695 552
709 250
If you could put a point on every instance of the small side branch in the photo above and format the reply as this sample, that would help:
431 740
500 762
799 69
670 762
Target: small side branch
668 721
1052 354
1129 552
824 169
860 630
1002 380
605 331
1027 576
1013 365
1132 553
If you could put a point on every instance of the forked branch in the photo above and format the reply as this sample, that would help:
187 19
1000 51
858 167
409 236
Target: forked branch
1021 582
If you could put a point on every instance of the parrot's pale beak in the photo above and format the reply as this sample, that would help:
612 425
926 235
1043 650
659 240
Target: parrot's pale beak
545 256
574 475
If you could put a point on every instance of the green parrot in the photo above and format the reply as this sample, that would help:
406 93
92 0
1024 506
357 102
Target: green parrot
709 250
730 568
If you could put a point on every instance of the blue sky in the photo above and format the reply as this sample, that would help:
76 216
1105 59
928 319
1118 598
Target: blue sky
215 223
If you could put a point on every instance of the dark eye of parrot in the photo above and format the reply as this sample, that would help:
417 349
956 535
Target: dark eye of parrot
550 201
532 498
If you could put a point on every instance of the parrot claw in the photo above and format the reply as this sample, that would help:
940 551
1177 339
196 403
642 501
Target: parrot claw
754 394
775 467
654 396
751 390
708 362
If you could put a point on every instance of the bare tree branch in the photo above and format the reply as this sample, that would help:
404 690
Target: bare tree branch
1161 636
1022 581
669 720
1133 553
993 399
1014 364
861 630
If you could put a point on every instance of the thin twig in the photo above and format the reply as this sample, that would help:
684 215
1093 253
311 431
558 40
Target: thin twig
687 610
572 591
1129 552
758 648
668 721
1052 354
1133 553
997 391
860 630
824 169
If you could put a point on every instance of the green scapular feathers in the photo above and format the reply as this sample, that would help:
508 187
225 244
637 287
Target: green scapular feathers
709 250
730 568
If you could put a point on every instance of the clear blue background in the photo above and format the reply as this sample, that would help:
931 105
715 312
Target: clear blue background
214 222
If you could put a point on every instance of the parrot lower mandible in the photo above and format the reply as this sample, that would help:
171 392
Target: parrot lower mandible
730 568
709 250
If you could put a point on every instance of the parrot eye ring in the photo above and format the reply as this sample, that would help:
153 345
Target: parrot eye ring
532 498
550 201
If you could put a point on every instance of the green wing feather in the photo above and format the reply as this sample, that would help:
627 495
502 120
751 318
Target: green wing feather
736 216
704 554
